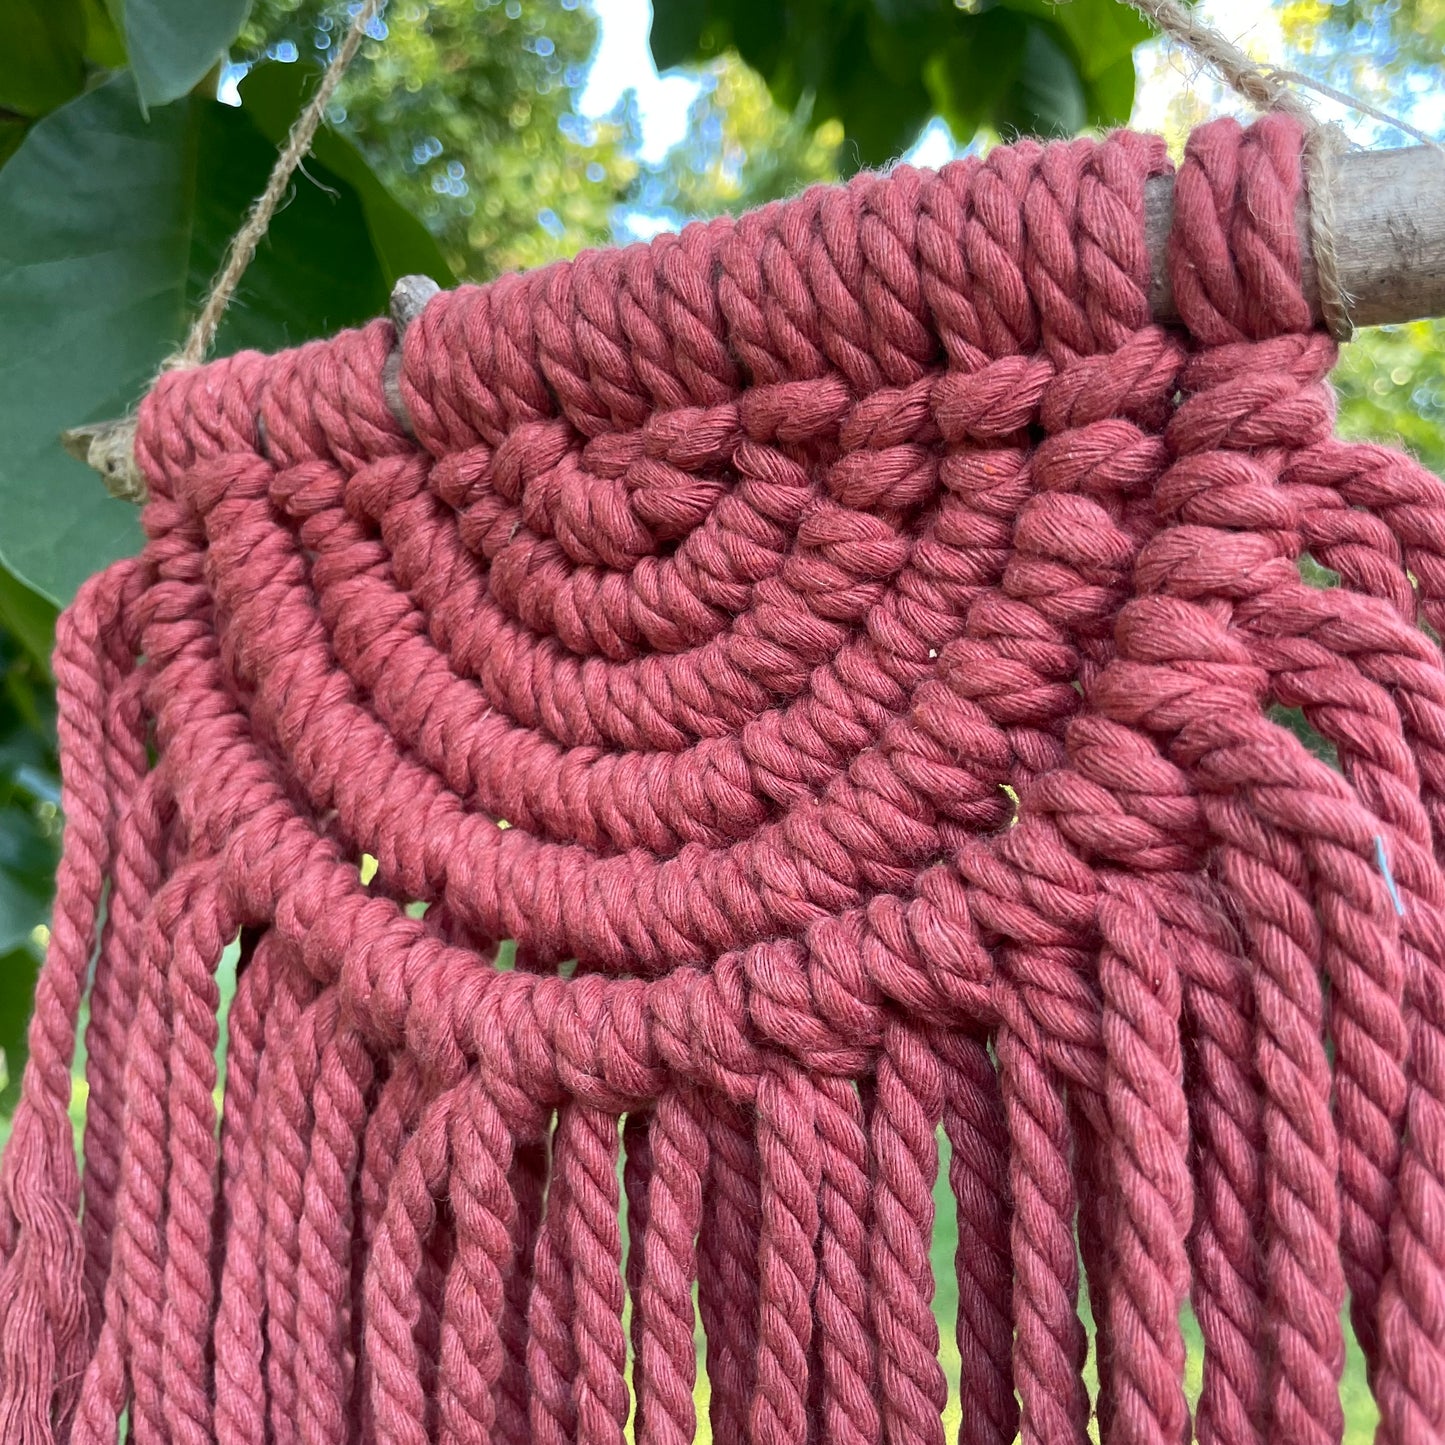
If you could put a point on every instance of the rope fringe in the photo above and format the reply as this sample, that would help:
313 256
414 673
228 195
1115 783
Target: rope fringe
873 630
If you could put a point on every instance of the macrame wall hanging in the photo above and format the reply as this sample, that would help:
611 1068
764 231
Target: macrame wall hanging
821 674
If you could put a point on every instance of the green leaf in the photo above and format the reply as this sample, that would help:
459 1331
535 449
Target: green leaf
867 72
882 120
104 47
903 14
12 132
1111 94
113 229
1011 72
1047 98
173 43
882 66
1100 33
18 971
25 883
273 95
677 29
42 55
970 76
27 616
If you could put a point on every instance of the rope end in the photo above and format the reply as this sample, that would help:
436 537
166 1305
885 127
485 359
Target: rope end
409 298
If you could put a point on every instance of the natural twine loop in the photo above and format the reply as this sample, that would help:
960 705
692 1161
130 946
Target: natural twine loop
109 447
242 249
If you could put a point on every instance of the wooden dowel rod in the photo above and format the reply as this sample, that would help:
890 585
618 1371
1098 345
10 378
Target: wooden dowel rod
1389 235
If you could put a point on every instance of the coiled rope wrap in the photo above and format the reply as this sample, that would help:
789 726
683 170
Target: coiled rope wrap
750 576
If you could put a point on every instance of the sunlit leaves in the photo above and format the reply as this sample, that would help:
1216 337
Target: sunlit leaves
742 148
465 111
1391 382
883 67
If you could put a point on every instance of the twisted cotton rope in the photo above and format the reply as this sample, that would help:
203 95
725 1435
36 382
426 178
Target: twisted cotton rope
750 576
1267 88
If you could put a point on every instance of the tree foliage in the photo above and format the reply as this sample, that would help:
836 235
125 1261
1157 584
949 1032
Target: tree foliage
1391 384
883 67
742 148
465 112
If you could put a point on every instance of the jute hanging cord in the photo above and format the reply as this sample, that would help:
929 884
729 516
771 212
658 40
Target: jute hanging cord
872 625
109 447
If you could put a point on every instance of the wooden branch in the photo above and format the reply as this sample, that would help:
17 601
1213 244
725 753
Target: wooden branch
1389 234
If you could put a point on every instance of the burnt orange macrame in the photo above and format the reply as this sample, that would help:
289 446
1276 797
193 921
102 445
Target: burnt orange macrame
751 576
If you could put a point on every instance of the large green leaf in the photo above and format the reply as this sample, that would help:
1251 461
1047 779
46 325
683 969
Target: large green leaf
173 43
1047 97
1100 32
12 132
970 76
104 47
114 227
42 54
1110 93
273 95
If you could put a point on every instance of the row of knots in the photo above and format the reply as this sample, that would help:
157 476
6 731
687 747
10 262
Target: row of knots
804 683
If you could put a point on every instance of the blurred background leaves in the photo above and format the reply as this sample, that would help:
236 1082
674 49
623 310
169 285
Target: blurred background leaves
29 811
883 68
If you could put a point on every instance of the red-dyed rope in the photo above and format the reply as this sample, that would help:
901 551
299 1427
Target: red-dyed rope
873 630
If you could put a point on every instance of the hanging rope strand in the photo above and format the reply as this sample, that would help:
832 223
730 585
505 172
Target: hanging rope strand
202 335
